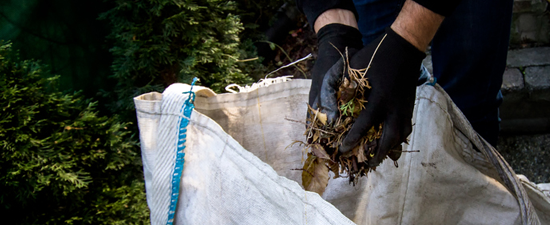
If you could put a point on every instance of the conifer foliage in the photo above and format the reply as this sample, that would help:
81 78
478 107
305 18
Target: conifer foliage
60 162
161 42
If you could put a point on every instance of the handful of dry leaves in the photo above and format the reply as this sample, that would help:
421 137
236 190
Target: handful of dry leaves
323 138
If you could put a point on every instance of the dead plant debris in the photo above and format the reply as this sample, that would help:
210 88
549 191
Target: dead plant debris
324 138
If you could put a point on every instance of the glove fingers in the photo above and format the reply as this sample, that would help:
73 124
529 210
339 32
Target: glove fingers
328 102
395 131
360 128
313 96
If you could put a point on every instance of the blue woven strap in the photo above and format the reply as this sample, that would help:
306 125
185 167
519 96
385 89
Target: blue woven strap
432 81
426 77
187 108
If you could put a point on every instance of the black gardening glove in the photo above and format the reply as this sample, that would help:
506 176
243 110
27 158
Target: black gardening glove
331 39
393 74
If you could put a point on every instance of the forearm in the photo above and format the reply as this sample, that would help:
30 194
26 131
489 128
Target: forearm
313 9
341 16
417 24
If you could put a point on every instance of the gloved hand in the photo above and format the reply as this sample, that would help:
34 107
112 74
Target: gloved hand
393 74
331 39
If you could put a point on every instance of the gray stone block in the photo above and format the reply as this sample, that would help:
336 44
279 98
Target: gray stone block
537 81
530 28
527 22
533 101
529 57
512 80
521 6
538 77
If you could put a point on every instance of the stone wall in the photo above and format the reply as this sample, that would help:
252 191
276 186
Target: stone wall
530 23
526 90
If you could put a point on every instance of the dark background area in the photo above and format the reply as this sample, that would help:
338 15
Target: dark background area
65 35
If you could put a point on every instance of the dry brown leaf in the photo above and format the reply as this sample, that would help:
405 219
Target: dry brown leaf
319 151
319 116
315 175
360 153
322 117
315 137
346 91
335 168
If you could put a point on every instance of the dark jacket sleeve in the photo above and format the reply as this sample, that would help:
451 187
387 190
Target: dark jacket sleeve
444 8
313 8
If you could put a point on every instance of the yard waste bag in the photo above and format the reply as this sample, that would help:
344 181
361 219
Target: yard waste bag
228 159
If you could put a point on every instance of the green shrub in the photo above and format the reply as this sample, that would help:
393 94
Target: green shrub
157 43
61 162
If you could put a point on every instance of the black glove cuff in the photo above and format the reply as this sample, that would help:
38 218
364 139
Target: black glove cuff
340 36
313 8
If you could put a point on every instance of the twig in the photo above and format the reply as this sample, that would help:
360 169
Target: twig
288 57
247 60
310 126
290 64
405 151
373 54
